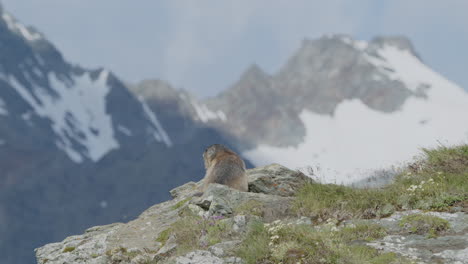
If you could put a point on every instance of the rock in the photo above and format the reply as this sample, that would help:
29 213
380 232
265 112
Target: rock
450 248
454 256
204 202
303 221
102 244
150 238
239 223
275 179
217 251
168 246
188 187
225 201
233 260
224 248
199 257
91 246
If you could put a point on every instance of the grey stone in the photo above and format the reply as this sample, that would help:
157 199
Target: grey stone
275 179
239 223
447 248
199 257
225 200
168 246
233 260
188 187
225 248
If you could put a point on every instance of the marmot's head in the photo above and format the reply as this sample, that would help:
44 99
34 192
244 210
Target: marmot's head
211 152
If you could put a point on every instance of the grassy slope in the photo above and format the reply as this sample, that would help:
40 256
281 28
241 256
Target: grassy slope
437 182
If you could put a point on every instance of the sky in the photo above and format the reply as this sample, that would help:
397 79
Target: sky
204 46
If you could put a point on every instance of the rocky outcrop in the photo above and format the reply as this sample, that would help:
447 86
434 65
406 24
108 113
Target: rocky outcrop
452 247
210 227
136 241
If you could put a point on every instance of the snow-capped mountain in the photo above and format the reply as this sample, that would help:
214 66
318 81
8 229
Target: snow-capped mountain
76 103
344 108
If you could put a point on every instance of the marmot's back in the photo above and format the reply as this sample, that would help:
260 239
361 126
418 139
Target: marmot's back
224 166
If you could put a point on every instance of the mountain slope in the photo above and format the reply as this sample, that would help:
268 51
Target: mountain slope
345 108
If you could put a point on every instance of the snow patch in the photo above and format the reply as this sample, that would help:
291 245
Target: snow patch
124 130
39 59
205 114
400 64
158 131
357 44
37 72
3 110
17 27
357 140
78 114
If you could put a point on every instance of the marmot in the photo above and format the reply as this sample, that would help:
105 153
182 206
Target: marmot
224 166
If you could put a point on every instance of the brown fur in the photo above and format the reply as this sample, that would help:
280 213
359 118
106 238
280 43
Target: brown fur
224 166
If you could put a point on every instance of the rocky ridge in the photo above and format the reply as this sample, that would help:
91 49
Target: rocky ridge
170 232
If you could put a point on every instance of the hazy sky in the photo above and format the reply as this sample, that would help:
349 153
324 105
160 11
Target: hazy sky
204 45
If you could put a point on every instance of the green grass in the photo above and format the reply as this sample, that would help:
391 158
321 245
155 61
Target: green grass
367 232
436 182
164 236
193 232
289 243
180 203
254 247
250 207
429 225
68 249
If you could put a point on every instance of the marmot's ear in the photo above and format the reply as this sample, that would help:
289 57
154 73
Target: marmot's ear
211 151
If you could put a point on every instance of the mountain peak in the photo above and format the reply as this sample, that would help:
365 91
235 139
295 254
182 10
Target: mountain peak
399 41
28 33
254 72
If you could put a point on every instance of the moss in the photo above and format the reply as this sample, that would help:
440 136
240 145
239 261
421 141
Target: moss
94 255
180 203
428 225
163 236
68 249
250 207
